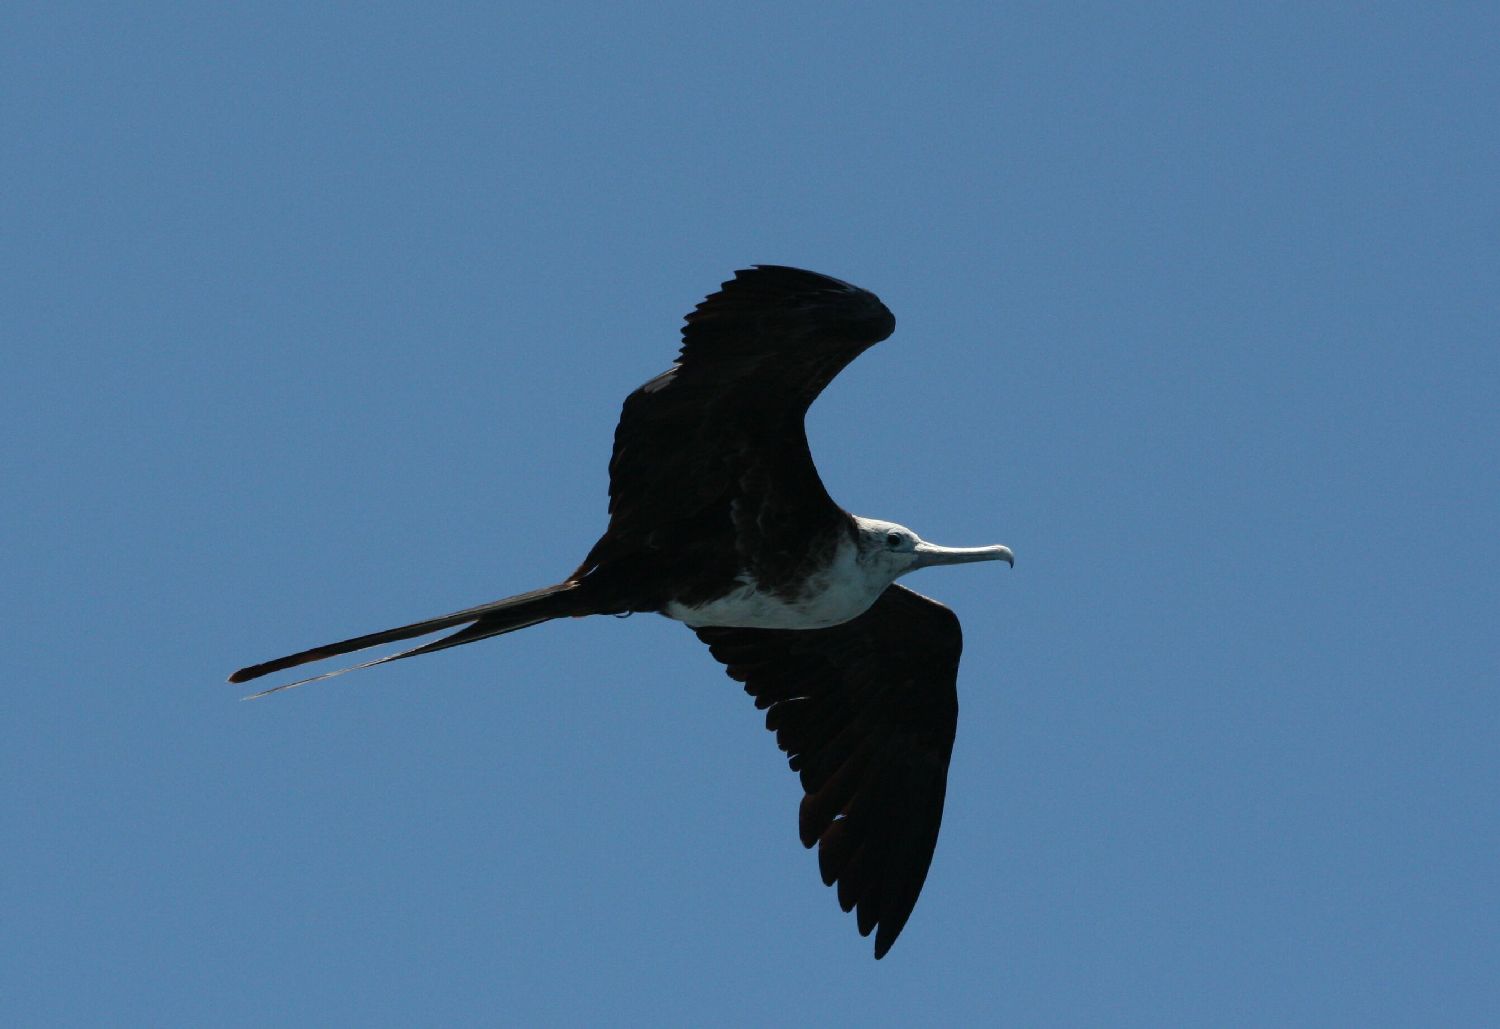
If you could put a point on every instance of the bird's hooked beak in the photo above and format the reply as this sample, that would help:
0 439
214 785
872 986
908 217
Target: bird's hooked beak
929 554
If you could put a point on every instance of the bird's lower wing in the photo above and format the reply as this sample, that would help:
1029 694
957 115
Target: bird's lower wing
866 712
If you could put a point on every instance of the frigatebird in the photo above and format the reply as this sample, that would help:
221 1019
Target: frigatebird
718 519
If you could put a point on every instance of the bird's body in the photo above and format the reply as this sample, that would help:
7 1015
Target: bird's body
832 592
718 519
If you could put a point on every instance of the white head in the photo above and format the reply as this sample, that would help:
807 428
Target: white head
894 550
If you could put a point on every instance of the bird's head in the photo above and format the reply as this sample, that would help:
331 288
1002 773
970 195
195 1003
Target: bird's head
895 550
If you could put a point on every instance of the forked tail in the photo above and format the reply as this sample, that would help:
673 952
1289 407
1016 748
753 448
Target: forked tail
492 619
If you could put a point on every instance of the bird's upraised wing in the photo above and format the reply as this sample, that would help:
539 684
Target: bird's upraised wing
724 423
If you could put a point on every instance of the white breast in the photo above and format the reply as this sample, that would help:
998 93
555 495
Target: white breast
841 591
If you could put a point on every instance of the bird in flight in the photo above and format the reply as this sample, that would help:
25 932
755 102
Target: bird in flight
718 519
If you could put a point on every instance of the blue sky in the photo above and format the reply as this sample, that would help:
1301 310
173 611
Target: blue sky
318 319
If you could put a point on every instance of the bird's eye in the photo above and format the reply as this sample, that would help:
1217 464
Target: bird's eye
894 540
